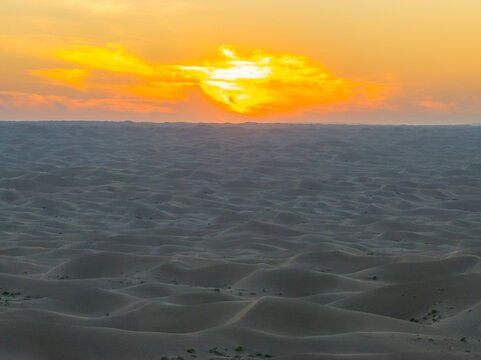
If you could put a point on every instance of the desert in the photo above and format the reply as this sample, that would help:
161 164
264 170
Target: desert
239 241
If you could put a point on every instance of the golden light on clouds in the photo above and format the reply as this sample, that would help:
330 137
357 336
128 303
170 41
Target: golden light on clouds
261 83
257 84
47 103
71 77
112 58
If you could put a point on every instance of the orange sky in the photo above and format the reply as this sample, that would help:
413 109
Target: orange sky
375 61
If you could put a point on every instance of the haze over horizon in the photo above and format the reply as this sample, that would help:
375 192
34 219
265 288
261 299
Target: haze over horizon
415 62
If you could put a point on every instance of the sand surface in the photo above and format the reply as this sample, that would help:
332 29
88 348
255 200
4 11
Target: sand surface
138 241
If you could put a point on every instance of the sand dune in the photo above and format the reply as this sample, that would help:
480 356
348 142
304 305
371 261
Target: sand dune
296 242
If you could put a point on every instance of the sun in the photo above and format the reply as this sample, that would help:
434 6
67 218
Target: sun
261 83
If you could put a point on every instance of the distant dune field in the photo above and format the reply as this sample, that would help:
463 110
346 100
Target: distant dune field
296 242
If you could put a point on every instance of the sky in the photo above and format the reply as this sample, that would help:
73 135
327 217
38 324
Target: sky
347 61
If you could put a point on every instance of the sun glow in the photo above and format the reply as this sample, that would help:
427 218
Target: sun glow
264 83
256 84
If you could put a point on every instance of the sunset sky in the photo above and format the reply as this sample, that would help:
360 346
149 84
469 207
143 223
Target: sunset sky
355 61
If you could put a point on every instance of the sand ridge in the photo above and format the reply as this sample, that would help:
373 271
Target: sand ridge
300 242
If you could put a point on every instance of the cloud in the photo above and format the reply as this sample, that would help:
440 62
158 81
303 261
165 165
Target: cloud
262 83
22 100
70 77
118 104
437 106
113 58
257 84
167 90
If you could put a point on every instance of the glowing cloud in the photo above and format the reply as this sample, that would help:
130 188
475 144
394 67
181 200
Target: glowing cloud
113 58
23 100
263 83
72 77
256 85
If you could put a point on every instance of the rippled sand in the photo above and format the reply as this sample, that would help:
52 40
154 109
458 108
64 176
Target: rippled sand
306 242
